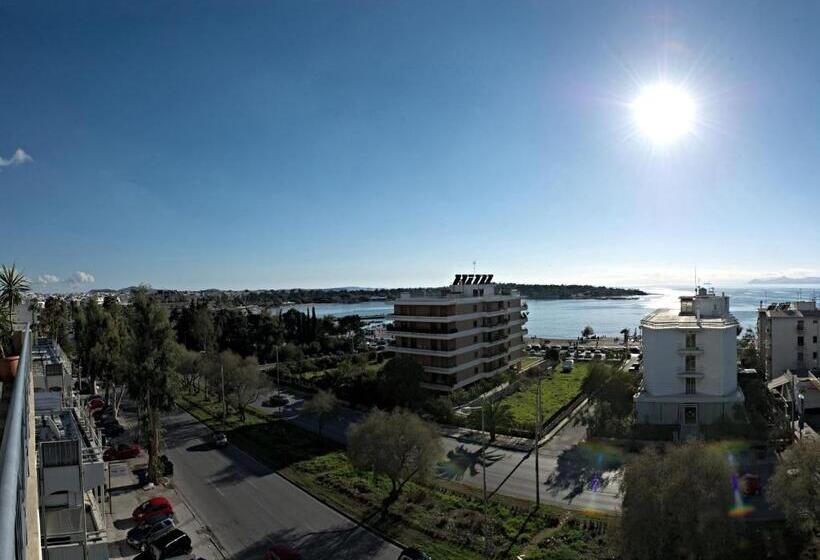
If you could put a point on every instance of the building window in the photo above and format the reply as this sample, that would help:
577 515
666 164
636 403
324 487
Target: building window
691 386
475 339
800 357
800 341
814 355
475 308
814 340
475 324
799 325
691 341
691 364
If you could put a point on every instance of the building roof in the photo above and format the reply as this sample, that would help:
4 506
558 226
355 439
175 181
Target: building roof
796 310
673 319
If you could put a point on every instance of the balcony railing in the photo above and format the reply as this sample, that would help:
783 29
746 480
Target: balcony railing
13 462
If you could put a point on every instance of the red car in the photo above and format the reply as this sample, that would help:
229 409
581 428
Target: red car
155 507
122 451
94 404
282 552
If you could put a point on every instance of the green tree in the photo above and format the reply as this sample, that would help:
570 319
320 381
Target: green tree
684 496
400 382
323 405
190 367
398 445
747 349
497 414
243 384
625 334
587 332
13 286
793 487
610 392
55 320
151 358
89 327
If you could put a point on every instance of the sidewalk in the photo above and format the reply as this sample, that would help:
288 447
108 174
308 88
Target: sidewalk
126 494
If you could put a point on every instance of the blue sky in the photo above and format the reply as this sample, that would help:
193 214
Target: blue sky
279 144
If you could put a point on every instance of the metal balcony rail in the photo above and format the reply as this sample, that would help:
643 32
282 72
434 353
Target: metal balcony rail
13 459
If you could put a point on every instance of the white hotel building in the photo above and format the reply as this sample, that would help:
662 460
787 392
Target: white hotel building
690 362
468 331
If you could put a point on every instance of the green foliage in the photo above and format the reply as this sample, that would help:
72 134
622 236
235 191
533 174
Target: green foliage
54 321
398 445
400 383
793 487
677 505
558 389
150 355
747 350
497 414
13 285
441 409
587 331
323 405
610 392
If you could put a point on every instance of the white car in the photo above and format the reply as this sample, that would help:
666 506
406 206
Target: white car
568 365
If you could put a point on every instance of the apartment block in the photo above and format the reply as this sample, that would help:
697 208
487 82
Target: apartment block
788 335
470 330
690 362
52 474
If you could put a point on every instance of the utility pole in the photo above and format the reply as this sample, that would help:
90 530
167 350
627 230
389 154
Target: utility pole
224 402
537 435
487 544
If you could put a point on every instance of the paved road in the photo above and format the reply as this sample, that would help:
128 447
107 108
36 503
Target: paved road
248 507
572 474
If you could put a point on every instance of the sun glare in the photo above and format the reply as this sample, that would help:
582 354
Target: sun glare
664 113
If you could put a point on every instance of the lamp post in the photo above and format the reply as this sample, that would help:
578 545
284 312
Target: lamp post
487 544
802 421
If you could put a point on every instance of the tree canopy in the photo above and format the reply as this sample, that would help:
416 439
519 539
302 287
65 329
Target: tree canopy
398 445
793 487
400 382
677 505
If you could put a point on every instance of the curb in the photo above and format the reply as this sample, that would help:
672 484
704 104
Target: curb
319 499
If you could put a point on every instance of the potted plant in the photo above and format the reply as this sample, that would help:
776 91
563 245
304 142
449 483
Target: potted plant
12 287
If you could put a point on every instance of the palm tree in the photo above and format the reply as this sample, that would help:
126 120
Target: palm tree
625 332
12 287
497 414
587 332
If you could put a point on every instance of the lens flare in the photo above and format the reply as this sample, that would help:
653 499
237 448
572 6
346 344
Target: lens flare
664 113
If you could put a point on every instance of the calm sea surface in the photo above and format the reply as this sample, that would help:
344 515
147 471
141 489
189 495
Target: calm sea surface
566 318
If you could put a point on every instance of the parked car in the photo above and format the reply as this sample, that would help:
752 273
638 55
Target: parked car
158 506
282 552
149 530
567 366
95 403
172 545
219 439
413 554
121 452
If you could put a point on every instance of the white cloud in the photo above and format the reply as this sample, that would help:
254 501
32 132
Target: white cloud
47 279
82 278
18 158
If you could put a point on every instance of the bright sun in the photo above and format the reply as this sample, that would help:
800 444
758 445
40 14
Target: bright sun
664 112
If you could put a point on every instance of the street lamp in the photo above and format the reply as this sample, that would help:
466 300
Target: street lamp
483 473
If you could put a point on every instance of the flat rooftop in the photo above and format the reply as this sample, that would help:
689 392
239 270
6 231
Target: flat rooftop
672 318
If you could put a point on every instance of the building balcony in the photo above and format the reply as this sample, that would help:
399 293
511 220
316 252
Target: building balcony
691 375
690 351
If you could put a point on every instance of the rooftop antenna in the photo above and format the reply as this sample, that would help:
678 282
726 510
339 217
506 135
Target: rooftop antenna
696 278
473 267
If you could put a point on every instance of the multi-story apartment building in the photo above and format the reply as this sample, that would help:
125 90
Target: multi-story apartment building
52 475
468 331
690 362
788 337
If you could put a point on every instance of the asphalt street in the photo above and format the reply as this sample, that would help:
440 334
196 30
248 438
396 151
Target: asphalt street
248 507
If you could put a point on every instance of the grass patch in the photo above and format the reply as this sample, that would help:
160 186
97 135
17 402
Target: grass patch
442 518
529 360
556 391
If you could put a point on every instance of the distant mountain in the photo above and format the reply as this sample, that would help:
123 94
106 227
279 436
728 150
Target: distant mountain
786 280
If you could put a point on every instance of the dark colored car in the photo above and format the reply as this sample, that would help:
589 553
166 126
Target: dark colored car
413 554
155 507
282 552
149 530
173 544
121 452
219 439
113 430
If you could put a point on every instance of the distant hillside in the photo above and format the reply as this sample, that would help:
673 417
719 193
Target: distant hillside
573 291
786 280
265 298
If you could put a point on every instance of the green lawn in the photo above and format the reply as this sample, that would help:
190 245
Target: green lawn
529 360
442 518
556 391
